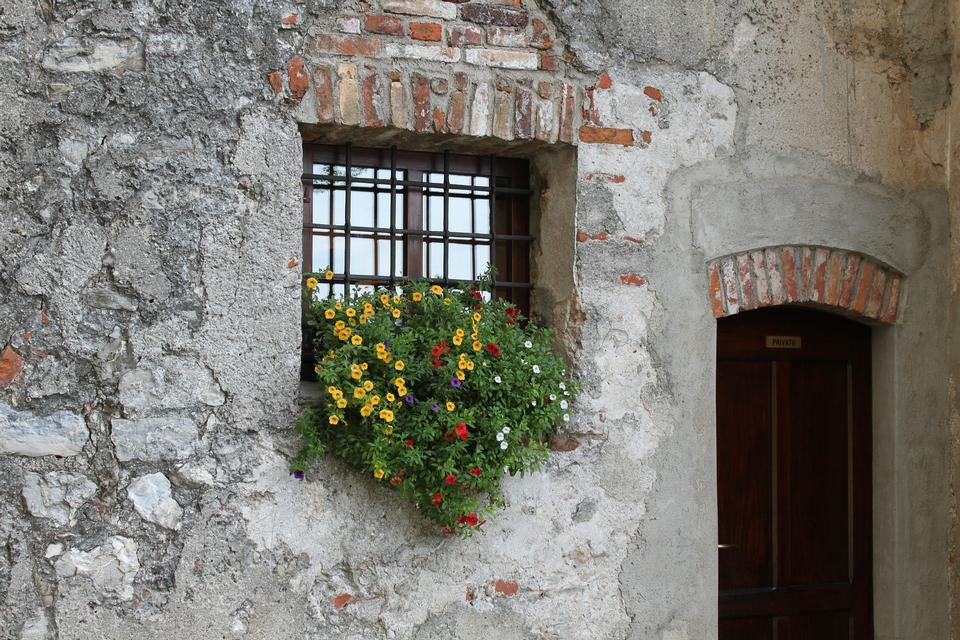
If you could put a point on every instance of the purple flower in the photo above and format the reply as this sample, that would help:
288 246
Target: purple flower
298 475
435 408
455 382
410 399
386 343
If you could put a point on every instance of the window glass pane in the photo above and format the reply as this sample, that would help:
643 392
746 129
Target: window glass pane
383 257
435 213
481 181
321 206
460 215
481 214
339 207
362 172
383 210
461 262
459 179
482 259
338 255
383 174
361 256
321 253
401 258
362 288
436 260
361 209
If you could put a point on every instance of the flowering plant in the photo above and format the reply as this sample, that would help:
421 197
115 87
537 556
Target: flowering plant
436 393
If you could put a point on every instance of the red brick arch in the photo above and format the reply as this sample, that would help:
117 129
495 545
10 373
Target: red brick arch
847 281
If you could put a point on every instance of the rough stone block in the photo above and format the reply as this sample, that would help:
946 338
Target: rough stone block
73 55
153 439
112 566
151 497
430 53
387 25
432 8
11 364
25 434
428 31
56 495
348 45
480 111
459 35
172 382
506 37
501 58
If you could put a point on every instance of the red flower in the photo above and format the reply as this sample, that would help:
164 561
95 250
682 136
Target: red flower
475 294
450 479
437 498
512 314
475 471
462 431
410 444
468 519
449 436
493 349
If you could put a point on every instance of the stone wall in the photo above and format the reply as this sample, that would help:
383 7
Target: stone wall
150 206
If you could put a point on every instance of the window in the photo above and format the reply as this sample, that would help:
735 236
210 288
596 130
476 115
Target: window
376 216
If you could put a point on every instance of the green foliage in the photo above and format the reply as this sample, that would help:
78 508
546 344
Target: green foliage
435 393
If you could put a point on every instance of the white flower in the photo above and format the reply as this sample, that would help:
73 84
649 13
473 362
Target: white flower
503 445
536 368
566 393
506 429
566 417
497 379
563 386
500 437
564 404
528 344
552 397
533 403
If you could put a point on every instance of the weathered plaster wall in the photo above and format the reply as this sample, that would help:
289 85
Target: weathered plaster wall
149 181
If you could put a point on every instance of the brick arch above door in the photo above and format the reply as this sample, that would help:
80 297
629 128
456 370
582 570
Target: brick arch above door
849 282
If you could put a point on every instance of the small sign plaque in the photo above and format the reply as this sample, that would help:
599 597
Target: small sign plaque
783 342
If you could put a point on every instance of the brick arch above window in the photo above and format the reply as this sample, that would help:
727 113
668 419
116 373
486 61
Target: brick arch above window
846 281
488 69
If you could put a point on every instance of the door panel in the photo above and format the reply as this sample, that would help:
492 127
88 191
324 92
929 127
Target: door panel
794 477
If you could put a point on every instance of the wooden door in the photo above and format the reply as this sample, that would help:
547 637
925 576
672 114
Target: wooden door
794 476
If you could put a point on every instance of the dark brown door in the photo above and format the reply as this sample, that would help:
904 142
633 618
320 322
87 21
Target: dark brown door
793 475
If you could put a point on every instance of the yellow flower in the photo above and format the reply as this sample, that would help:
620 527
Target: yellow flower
390 397
477 345
328 275
436 289
356 374
384 299
336 394
388 431
363 366
417 296
329 313
399 366
387 357
342 403
459 332
339 325
359 392
374 400
352 322
462 364
366 410
381 347
356 340
469 366
386 415
318 368
457 340
368 385
338 306
474 336
378 473
312 283
476 316
447 301
333 419
351 312
402 391
399 382
395 313
368 308
451 406
363 319
460 374
331 389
